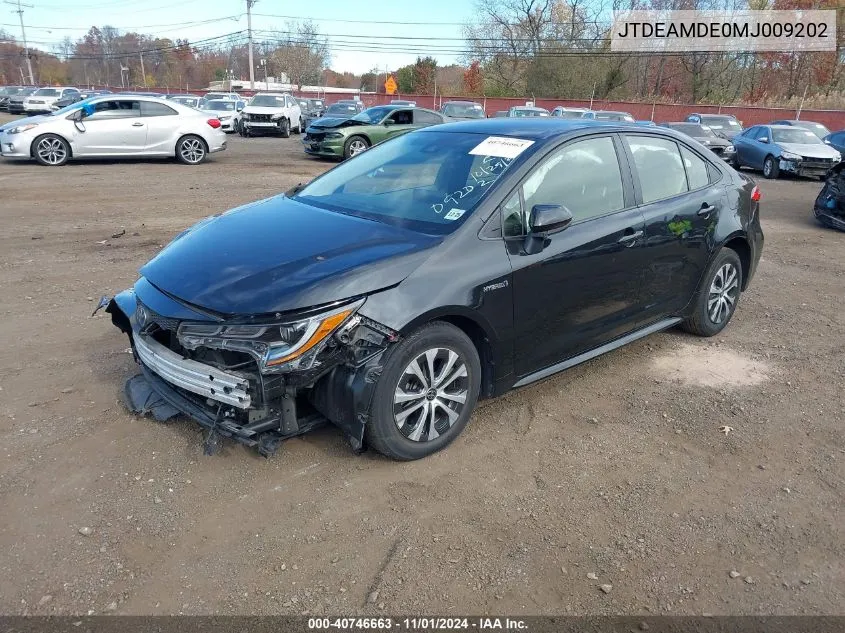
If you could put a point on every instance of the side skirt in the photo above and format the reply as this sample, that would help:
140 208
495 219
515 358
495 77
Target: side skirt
665 324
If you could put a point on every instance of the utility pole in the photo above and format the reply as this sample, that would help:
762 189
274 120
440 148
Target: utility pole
249 4
143 74
19 11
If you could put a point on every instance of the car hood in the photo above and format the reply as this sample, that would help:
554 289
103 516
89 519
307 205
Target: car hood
40 118
713 141
809 150
263 109
279 255
327 123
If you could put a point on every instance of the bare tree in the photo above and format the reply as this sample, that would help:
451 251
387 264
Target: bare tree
301 53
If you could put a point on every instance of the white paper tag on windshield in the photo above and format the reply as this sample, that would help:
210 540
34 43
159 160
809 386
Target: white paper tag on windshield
501 147
454 214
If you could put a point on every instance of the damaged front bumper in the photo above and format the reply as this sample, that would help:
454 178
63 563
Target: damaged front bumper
229 388
807 167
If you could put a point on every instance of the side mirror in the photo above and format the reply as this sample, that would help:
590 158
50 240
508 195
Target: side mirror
390 122
763 139
547 219
826 142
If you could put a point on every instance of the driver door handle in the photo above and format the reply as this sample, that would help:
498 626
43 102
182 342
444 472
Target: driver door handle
706 209
138 124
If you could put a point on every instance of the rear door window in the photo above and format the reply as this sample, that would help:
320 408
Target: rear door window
659 167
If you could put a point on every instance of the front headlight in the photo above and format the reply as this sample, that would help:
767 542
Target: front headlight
276 117
789 156
278 347
225 118
334 135
837 157
730 149
245 116
22 128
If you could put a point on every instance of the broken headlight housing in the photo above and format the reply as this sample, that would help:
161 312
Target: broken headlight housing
790 156
278 347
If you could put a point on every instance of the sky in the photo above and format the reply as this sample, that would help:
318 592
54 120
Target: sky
358 43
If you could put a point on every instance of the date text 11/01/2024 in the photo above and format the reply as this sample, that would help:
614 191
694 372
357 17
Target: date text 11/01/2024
417 624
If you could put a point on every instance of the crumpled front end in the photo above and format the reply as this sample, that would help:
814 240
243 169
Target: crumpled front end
829 208
257 379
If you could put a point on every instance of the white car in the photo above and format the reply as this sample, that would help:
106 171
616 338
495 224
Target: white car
272 112
114 126
226 111
42 99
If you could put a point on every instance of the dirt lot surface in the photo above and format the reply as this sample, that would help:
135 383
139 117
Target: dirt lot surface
613 473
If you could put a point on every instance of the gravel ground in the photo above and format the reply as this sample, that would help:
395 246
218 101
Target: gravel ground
606 489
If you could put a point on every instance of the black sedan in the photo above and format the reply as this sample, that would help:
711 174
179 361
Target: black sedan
720 146
440 267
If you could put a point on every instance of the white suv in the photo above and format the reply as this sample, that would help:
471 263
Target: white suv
42 99
271 112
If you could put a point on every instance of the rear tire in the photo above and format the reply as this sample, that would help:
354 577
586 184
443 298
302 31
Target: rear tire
771 170
426 393
51 150
191 150
718 295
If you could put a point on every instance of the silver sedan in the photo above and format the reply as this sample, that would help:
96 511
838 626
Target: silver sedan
114 126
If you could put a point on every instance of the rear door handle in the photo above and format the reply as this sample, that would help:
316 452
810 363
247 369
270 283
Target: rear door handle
139 124
706 209
630 238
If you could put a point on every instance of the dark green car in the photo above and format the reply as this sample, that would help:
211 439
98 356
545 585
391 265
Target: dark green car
343 138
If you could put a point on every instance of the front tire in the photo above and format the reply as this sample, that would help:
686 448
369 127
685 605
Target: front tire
51 150
354 146
717 296
191 150
771 170
284 128
426 393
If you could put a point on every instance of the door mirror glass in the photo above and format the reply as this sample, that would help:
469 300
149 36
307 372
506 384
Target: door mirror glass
390 122
549 218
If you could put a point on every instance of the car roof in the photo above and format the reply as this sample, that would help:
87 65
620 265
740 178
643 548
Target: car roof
777 127
715 116
534 128
611 112
462 102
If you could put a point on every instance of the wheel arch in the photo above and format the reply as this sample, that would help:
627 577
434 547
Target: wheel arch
739 244
40 136
478 331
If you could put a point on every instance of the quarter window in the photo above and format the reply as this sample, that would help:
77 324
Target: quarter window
659 167
150 108
426 118
696 169
583 176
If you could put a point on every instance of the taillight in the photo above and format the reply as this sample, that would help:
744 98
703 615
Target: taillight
215 123
755 194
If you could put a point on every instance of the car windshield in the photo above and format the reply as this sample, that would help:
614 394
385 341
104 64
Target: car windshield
465 110
340 108
429 181
72 107
226 106
373 115
520 112
816 128
268 101
795 135
720 123
316 103
46 92
614 116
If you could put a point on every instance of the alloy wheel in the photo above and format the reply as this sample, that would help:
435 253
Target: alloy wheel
431 394
724 290
51 150
356 147
767 167
192 150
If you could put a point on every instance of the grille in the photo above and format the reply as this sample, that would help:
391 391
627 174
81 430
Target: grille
260 118
817 163
717 150
150 317
316 138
